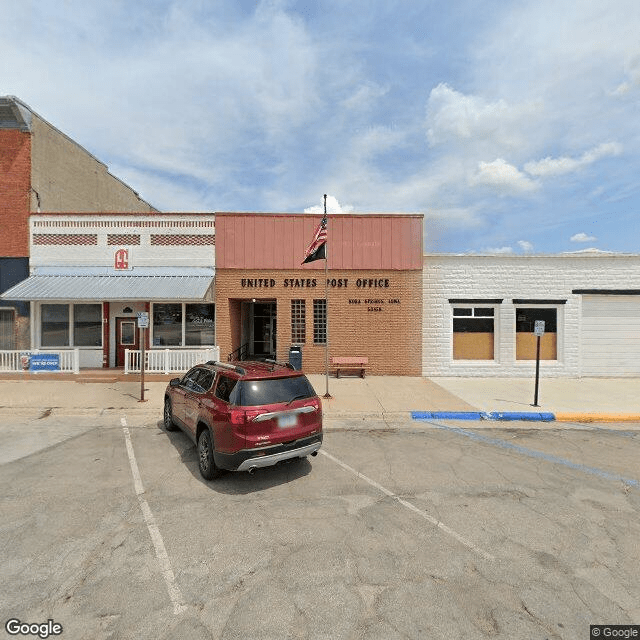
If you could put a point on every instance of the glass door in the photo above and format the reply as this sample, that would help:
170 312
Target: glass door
263 338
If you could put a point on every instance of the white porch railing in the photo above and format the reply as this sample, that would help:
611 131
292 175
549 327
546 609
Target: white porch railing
19 360
168 360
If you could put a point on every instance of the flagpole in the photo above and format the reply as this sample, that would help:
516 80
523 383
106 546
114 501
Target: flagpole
326 303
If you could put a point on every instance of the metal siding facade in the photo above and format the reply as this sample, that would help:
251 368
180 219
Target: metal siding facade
120 287
279 241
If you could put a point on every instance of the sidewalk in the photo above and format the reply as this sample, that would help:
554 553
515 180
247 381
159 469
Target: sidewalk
391 397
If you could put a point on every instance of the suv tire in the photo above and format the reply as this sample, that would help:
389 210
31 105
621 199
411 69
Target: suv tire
167 417
208 469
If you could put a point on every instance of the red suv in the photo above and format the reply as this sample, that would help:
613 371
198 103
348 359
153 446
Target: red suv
245 415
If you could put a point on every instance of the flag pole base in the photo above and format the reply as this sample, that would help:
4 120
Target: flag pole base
327 395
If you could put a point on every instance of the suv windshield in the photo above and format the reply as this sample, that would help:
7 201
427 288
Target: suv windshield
251 393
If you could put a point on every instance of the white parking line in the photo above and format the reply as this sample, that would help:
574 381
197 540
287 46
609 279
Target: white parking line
443 527
161 552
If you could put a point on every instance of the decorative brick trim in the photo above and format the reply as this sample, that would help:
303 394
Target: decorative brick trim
65 238
166 239
122 238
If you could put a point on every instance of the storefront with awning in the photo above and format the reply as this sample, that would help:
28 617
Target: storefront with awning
163 266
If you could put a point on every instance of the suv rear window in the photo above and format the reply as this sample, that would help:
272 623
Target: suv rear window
251 393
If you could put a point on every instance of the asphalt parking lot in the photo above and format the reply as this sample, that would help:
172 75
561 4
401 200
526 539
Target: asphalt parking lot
396 530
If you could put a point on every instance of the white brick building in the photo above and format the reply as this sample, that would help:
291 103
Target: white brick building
479 311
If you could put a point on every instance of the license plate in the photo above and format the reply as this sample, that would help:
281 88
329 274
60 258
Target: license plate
288 421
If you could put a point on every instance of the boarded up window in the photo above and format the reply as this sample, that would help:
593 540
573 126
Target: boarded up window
526 341
473 333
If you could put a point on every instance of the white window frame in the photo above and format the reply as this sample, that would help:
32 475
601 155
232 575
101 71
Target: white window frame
496 332
560 308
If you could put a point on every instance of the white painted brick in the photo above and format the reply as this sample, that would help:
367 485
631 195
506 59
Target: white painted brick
544 277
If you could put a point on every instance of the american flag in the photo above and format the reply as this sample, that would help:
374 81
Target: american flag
318 248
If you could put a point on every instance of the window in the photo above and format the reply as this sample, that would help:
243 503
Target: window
320 322
167 325
473 333
206 379
224 388
177 325
191 380
128 333
75 325
274 390
527 342
87 325
199 324
298 319
54 328
7 329
198 380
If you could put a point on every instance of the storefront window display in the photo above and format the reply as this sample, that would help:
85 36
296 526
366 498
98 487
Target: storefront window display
177 325
71 325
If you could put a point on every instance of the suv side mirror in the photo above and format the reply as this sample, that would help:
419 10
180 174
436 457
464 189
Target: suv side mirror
174 382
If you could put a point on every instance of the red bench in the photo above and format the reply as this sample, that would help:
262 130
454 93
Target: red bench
350 364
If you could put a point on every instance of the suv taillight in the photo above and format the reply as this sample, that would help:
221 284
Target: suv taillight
241 416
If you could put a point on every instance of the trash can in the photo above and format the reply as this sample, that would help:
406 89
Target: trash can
295 356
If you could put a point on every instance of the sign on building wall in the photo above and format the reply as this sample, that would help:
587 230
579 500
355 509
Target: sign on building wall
121 260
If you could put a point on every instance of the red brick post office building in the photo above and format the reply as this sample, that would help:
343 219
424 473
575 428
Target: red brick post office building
267 300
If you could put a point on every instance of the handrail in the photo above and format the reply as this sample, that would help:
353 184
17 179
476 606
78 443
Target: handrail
240 353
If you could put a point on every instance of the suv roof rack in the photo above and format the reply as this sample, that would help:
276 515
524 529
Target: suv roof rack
288 365
226 365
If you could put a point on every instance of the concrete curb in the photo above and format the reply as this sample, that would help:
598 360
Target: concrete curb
597 417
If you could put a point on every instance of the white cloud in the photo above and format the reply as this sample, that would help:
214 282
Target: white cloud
365 96
499 250
582 237
632 73
502 176
453 115
559 166
333 206
526 246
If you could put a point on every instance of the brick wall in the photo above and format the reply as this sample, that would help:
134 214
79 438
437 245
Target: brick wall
15 172
387 329
509 277
68 178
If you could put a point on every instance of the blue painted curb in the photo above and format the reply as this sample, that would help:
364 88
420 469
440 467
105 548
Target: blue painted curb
446 415
532 416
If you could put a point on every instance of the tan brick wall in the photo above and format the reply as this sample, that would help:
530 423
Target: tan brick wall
68 178
15 172
389 333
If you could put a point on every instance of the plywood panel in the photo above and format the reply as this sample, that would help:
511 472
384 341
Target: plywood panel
473 346
527 344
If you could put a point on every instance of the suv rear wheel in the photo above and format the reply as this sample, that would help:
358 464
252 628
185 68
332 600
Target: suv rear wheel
208 469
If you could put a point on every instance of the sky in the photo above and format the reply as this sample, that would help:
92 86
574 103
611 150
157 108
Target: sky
512 125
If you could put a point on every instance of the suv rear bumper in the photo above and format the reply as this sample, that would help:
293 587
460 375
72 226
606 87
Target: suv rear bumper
268 456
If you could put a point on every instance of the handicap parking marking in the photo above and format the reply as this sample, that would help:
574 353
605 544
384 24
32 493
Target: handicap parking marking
532 453
440 525
156 537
